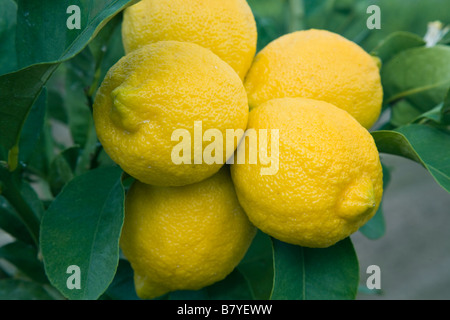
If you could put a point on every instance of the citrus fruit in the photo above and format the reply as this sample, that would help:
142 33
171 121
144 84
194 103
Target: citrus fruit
157 90
329 180
227 28
184 238
319 65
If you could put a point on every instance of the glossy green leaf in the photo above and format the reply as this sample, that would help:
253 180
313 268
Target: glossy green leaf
122 287
404 112
201 294
233 287
106 49
35 19
434 115
60 174
56 107
8 58
23 199
19 92
315 274
113 52
80 74
396 43
32 128
445 111
25 258
426 145
420 75
257 266
32 199
82 227
21 88
375 228
11 223
16 289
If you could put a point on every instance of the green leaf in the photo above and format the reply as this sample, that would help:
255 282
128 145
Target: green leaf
25 258
11 224
33 127
35 20
404 112
420 75
57 110
233 287
424 144
433 115
396 43
106 49
60 174
122 287
32 199
257 266
23 199
8 58
445 111
201 294
82 227
375 228
62 169
113 52
80 74
15 289
21 88
19 92
88 153
315 274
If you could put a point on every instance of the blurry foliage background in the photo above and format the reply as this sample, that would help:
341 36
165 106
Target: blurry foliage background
347 17
58 141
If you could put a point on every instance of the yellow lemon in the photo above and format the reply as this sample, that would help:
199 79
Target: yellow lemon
319 65
156 91
184 238
329 180
227 28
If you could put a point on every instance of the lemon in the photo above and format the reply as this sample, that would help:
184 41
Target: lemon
156 90
319 65
329 181
184 238
227 28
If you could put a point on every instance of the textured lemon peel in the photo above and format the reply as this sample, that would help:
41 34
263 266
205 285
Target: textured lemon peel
329 178
358 200
184 238
136 112
227 28
300 64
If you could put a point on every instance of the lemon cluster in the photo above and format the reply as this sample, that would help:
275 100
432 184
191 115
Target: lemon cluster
188 225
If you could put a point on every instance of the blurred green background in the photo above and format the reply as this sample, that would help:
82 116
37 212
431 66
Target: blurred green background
347 17
413 255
